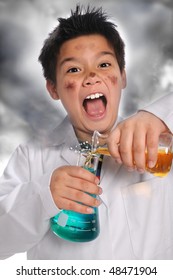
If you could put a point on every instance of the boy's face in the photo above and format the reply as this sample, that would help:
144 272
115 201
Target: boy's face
89 84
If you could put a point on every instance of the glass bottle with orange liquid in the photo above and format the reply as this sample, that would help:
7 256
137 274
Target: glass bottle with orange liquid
164 158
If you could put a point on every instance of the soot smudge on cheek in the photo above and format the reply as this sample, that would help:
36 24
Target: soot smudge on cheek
113 79
70 85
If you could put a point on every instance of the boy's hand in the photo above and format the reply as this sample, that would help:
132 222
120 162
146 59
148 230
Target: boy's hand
71 187
128 141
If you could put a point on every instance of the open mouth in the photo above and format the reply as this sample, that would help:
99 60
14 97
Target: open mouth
95 104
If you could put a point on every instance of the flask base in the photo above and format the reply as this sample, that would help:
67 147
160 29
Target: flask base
77 227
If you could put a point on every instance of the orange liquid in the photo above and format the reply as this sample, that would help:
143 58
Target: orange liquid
103 151
163 164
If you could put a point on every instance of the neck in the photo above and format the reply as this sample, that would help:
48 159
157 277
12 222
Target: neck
83 136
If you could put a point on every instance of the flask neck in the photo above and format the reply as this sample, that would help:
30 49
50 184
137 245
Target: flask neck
98 140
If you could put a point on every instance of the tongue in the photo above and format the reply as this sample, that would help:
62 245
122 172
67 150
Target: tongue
94 107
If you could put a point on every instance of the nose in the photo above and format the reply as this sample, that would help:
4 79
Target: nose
91 79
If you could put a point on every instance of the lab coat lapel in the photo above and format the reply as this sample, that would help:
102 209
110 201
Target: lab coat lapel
64 138
68 152
70 145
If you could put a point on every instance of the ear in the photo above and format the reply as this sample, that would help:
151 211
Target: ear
124 79
51 87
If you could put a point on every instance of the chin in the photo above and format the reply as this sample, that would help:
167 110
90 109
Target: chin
101 127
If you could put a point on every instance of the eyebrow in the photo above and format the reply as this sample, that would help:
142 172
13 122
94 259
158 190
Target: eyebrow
76 60
68 59
106 53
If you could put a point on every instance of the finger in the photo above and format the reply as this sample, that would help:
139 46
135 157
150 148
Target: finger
78 190
82 173
125 149
113 145
82 197
69 204
83 185
152 148
139 147
78 186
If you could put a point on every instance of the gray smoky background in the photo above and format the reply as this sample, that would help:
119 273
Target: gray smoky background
27 110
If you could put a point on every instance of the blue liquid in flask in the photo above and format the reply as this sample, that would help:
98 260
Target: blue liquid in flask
74 226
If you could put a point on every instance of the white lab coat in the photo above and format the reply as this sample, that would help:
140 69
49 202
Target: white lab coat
136 216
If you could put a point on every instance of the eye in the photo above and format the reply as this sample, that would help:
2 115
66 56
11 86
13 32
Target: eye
105 65
73 70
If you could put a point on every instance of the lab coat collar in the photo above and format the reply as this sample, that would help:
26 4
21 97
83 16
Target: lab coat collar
61 134
64 136
65 133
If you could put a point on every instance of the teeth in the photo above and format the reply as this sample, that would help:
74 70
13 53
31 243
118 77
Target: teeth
94 96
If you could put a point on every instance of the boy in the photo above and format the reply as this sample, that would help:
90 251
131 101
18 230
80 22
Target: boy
84 67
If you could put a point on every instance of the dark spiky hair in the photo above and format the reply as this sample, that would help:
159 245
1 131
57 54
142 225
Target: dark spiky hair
81 22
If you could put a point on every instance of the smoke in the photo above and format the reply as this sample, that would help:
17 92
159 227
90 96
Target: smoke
149 45
25 107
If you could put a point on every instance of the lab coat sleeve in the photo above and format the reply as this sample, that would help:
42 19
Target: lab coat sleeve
26 205
163 109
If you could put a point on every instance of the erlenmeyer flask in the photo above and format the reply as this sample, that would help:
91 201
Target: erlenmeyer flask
75 226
